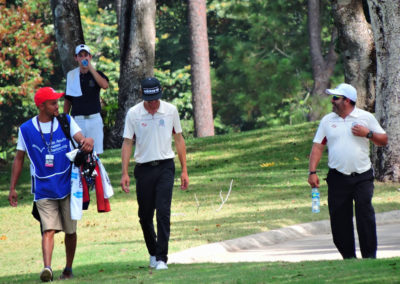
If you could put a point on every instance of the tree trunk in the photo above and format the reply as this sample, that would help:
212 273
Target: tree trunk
385 20
68 31
322 67
200 61
357 47
136 26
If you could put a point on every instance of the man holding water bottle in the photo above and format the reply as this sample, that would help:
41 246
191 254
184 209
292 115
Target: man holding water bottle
82 96
347 131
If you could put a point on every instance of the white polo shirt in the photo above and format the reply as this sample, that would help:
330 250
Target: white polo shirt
153 133
347 153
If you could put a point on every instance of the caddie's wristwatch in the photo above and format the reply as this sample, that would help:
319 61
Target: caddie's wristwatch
312 173
370 134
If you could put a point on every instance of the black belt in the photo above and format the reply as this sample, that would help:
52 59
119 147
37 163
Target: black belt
154 163
350 175
86 116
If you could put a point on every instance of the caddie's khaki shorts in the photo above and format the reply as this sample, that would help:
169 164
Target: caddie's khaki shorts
55 215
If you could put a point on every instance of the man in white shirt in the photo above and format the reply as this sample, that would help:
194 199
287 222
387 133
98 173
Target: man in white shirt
82 96
347 131
150 125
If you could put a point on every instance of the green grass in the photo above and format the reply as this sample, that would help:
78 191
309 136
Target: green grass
269 171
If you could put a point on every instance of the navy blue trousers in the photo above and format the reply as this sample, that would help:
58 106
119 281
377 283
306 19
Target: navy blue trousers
154 185
342 191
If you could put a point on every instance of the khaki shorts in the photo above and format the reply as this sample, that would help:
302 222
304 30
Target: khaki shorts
55 215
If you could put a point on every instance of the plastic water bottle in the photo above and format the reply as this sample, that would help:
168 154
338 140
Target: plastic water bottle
315 200
85 62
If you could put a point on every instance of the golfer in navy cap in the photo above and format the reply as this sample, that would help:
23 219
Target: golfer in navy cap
149 127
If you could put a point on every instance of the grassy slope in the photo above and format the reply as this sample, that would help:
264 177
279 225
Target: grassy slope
269 172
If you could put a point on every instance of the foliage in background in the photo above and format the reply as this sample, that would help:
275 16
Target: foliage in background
26 63
262 74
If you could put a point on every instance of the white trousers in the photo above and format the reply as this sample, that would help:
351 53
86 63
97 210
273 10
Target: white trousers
92 126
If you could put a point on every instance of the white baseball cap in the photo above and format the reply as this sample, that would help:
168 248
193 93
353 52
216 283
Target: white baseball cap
81 47
345 90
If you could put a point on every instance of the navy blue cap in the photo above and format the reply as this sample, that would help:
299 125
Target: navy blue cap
151 89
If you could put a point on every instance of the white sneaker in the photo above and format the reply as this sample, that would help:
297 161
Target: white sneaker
46 275
153 261
161 265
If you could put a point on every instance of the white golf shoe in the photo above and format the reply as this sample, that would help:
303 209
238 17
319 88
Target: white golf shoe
161 265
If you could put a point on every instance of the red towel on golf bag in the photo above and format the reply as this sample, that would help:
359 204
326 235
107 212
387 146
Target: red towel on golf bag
103 205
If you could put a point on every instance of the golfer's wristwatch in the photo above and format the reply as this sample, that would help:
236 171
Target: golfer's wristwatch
370 134
312 173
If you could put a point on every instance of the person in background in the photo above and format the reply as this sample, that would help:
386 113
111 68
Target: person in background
347 132
82 97
150 125
43 140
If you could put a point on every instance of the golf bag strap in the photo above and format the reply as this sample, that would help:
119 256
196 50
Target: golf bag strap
63 121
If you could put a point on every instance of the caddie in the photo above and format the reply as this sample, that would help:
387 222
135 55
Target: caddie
43 140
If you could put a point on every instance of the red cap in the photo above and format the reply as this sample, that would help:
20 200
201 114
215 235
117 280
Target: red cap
45 94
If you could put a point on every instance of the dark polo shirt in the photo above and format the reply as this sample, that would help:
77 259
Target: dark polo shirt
89 102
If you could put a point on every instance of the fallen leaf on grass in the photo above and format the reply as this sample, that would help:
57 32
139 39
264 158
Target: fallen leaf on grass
3 238
267 165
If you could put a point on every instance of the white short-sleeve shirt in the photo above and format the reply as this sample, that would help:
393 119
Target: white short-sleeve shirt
347 153
152 133
46 128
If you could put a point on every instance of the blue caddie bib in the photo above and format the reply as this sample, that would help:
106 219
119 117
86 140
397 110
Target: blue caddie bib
48 182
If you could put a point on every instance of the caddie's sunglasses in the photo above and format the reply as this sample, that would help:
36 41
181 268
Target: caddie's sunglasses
335 98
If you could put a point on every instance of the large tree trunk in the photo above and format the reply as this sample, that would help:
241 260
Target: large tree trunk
358 50
385 20
68 30
201 83
136 26
322 67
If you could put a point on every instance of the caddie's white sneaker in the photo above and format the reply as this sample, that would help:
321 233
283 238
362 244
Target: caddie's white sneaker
161 265
46 275
153 261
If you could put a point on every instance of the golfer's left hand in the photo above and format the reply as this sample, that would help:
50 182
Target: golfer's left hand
184 180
